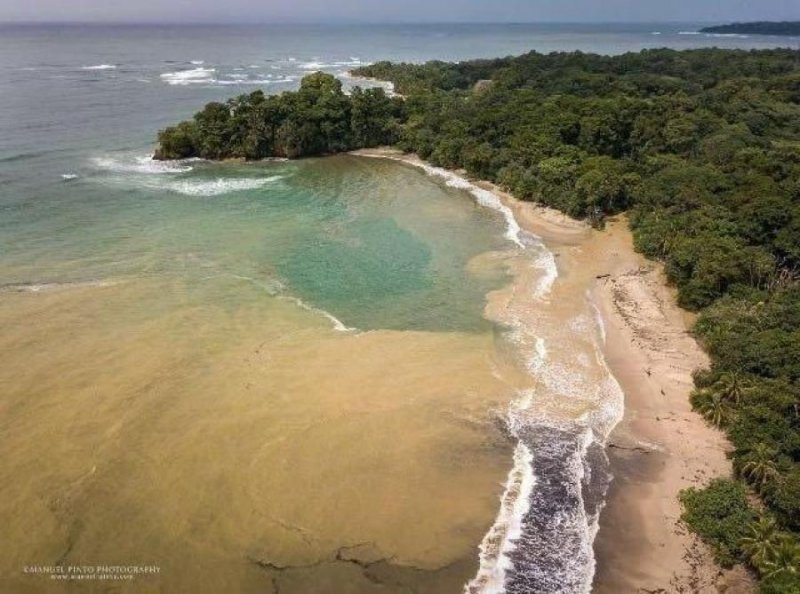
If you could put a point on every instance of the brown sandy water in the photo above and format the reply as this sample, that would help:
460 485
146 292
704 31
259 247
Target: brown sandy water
242 448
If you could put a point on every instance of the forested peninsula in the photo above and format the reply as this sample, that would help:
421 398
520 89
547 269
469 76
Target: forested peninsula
701 148
756 28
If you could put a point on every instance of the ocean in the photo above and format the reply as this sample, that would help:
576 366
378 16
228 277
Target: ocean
320 376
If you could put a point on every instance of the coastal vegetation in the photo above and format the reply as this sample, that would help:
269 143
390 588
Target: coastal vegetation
756 28
701 148
315 120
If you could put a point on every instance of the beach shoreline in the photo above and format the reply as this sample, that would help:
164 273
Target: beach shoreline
659 446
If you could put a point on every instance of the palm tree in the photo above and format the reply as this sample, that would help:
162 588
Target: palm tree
714 408
785 558
731 385
759 546
759 466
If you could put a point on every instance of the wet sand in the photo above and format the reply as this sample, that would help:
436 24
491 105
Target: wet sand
660 446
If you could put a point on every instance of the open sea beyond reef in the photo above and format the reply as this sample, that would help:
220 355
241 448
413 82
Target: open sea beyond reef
315 377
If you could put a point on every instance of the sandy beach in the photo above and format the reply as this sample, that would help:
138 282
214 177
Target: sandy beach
660 446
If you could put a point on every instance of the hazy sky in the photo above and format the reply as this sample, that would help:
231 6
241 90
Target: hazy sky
397 10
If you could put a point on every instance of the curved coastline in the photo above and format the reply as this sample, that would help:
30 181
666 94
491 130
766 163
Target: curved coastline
656 444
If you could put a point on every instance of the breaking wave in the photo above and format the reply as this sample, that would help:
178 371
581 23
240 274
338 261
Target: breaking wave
209 76
145 172
217 187
485 198
197 75
140 164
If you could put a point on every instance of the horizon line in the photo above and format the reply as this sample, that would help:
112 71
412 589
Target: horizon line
365 23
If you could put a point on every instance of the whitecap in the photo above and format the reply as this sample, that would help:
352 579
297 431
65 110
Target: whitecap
140 164
187 77
732 35
197 62
69 176
100 67
315 66
255 81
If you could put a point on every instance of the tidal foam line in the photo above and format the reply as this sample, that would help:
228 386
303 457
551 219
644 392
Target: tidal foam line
483 197
338 325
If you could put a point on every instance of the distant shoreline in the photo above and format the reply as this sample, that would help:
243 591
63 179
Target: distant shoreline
781 28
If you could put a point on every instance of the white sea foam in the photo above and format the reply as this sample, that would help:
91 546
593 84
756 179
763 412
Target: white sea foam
598 317
570 571
100 67
733 35
546 262
140 164
338 325
47 287
217 187
198 75
386 85
483 197
253 81
276 288
313 66
501 539
197 62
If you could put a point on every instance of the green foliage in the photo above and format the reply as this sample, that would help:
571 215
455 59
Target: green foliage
782 583
775 555
721 516
317 119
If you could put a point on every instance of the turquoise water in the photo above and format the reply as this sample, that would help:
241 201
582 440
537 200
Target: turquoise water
359 239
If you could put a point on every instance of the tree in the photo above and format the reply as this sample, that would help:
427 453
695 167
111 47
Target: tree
713 407
758 467
759 544
731 386
785 558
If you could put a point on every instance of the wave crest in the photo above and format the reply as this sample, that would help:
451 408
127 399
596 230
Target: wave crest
140 164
